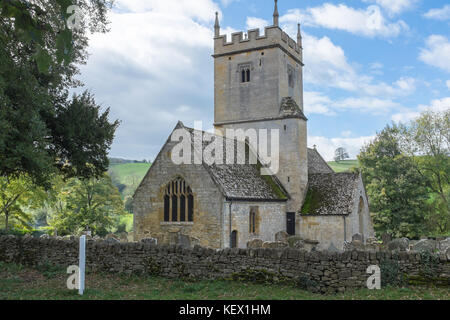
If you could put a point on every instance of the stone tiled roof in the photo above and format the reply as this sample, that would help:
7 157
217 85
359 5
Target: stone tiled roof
290 109
330 193
242 181
316 164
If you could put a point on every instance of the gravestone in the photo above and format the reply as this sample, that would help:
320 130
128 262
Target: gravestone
427 245
255 243
151 241
274 245
386 238
401 244
357 237
281 236
444 244
296 242
184 241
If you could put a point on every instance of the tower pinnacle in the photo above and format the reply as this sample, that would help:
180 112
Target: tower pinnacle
275 14
217 26
299 36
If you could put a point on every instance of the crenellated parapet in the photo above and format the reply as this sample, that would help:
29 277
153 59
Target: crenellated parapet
273 37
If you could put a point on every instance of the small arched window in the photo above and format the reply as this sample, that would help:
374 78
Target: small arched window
253 228
252 221
178 202
245 73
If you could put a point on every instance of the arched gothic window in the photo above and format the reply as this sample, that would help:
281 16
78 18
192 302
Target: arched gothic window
178 202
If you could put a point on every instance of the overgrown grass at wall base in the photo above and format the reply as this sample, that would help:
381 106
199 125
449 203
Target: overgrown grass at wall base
24 283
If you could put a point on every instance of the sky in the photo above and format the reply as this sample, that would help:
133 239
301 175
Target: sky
367 63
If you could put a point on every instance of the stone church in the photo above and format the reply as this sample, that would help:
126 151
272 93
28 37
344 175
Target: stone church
258 83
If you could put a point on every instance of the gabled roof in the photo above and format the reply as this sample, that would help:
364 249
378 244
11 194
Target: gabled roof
316 164
242 181
330 193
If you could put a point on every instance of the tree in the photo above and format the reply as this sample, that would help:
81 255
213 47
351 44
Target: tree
427 141
15 195
340 154
87 204
42 131
397 192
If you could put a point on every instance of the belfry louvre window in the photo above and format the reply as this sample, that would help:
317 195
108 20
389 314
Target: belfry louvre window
178 202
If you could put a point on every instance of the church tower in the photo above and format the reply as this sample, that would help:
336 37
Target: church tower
258 83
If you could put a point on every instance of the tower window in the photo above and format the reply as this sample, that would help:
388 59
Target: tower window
245 73
178 200
291 78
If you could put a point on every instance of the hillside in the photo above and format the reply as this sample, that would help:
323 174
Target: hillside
342 166
127 176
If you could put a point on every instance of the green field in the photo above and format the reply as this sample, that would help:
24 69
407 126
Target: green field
49 283
128 174
343 166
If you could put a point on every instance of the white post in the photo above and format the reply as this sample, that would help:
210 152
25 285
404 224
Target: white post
82 264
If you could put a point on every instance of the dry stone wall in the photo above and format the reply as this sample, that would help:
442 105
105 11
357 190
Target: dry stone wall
318 271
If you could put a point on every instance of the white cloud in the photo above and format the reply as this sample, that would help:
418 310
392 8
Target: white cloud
394 7
327 146
439 14
437 105
368 22
257 23
316 102
437 52
346 133
327 65
226 3
202 10
153 68
448 84
368 104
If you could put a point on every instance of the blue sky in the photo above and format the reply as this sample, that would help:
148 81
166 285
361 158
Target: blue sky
367 63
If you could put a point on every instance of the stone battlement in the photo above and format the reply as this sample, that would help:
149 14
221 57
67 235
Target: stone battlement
273 37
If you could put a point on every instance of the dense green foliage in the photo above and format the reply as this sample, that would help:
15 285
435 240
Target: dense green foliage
16 196
406 172
88 204
42 130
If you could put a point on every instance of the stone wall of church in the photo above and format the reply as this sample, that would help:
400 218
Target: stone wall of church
326 272
270 219
335 229
148 204
325 229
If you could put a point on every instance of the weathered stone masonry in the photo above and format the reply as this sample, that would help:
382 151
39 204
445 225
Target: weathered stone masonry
327 272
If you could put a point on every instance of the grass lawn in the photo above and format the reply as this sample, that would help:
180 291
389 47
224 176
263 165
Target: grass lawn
21 283
342 166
